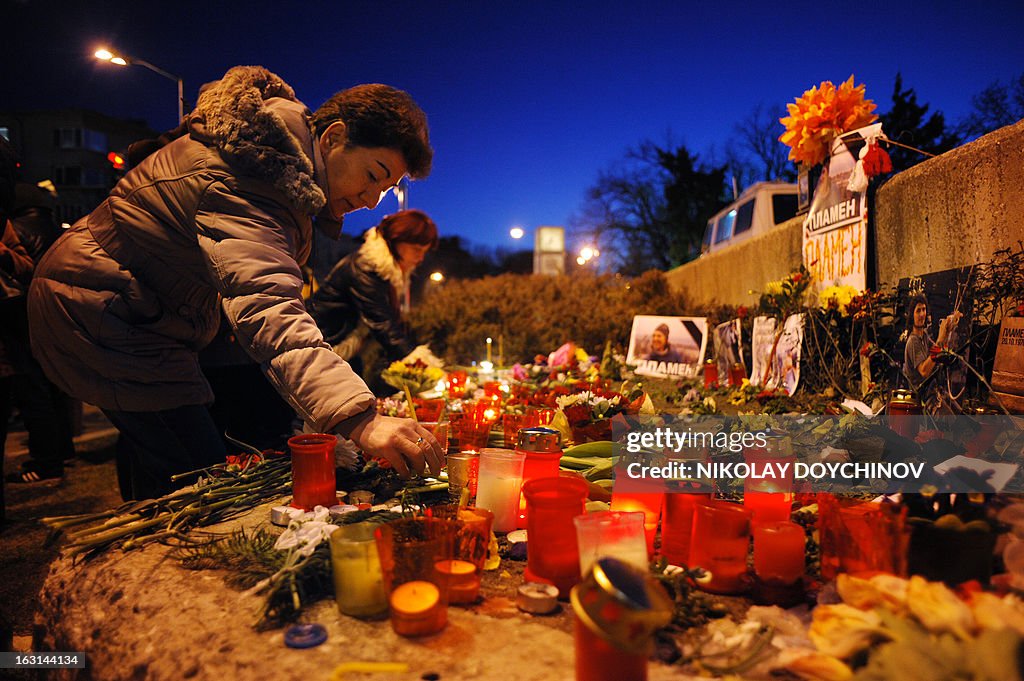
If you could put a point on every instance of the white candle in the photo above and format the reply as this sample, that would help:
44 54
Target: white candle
488 349
500 496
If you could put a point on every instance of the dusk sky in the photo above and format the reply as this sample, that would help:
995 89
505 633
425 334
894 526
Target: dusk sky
527 101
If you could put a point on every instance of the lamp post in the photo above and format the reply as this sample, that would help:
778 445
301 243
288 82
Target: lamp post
104 54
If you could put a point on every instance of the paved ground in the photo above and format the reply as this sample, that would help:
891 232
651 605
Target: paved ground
89 484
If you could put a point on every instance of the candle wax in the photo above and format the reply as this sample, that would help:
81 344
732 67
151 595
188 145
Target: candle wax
462 580
416 609
500 496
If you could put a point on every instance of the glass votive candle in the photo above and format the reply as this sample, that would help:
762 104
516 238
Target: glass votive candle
720 542
358 581
619 534
737 372
463 472
466 554
440 432
779 549
473 431
553 555
428 410
456 383
677 525
313 482
409 550
710 373
542 447
512 423
501 477
649 503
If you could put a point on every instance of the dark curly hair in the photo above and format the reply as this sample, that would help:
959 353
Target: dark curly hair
915 300
378 115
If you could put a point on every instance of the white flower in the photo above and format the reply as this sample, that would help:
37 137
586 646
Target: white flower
305 532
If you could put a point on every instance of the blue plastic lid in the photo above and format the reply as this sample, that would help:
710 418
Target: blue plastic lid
305 635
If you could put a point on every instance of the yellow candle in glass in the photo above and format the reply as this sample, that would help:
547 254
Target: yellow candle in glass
358 581
488 349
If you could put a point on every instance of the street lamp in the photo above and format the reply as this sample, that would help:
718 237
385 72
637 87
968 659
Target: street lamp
437 277
516 232
104 54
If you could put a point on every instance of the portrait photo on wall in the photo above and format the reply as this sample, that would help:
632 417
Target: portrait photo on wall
761 343
729 346
667 346
785 372
935 312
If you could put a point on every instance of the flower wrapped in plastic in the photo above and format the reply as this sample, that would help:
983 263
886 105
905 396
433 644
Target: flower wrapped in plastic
820 115
417 376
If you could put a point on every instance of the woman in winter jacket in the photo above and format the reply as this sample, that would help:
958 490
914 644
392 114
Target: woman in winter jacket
222 218
368 290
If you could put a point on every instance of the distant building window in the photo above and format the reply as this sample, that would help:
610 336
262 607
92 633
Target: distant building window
95 141
67 138
5 133
68 175
94 177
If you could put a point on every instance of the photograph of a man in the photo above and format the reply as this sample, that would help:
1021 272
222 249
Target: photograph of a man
661 350
667 346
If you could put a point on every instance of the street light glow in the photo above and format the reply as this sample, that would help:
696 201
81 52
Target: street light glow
120 61
580 260
516 232
587 253
103 54
436 277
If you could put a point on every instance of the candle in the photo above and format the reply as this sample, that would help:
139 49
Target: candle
721 538
648 502
417 610
710 374
358 580
462 579
599 660
488 349
537 598
677 526
463 472
554 555
611 533
500 495
779 551
501 477
501 349
313 481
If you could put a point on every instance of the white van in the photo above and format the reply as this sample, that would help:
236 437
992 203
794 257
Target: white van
759 208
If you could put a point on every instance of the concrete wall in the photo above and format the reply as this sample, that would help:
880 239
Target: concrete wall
950 211
728 276
953 210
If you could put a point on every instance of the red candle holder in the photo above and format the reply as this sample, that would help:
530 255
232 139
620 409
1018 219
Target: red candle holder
466 552
720 543
313 482
859 536
677 525
554 555
710 374
779 552
456 383
737 372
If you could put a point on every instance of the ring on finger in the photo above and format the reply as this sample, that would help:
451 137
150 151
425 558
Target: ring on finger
420 440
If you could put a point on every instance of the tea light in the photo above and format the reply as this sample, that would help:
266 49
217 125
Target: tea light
462 579
416 609
536 598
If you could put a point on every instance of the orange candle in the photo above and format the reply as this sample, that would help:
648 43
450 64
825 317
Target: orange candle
462 579
417 610
649 503
721 537
779 551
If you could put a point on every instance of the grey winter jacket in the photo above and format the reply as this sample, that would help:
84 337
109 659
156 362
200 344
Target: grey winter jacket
124 300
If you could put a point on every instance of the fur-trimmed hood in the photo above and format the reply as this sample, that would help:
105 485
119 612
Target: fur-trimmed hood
379 258
232 114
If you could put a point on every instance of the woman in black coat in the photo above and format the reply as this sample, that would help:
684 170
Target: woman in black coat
367 292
